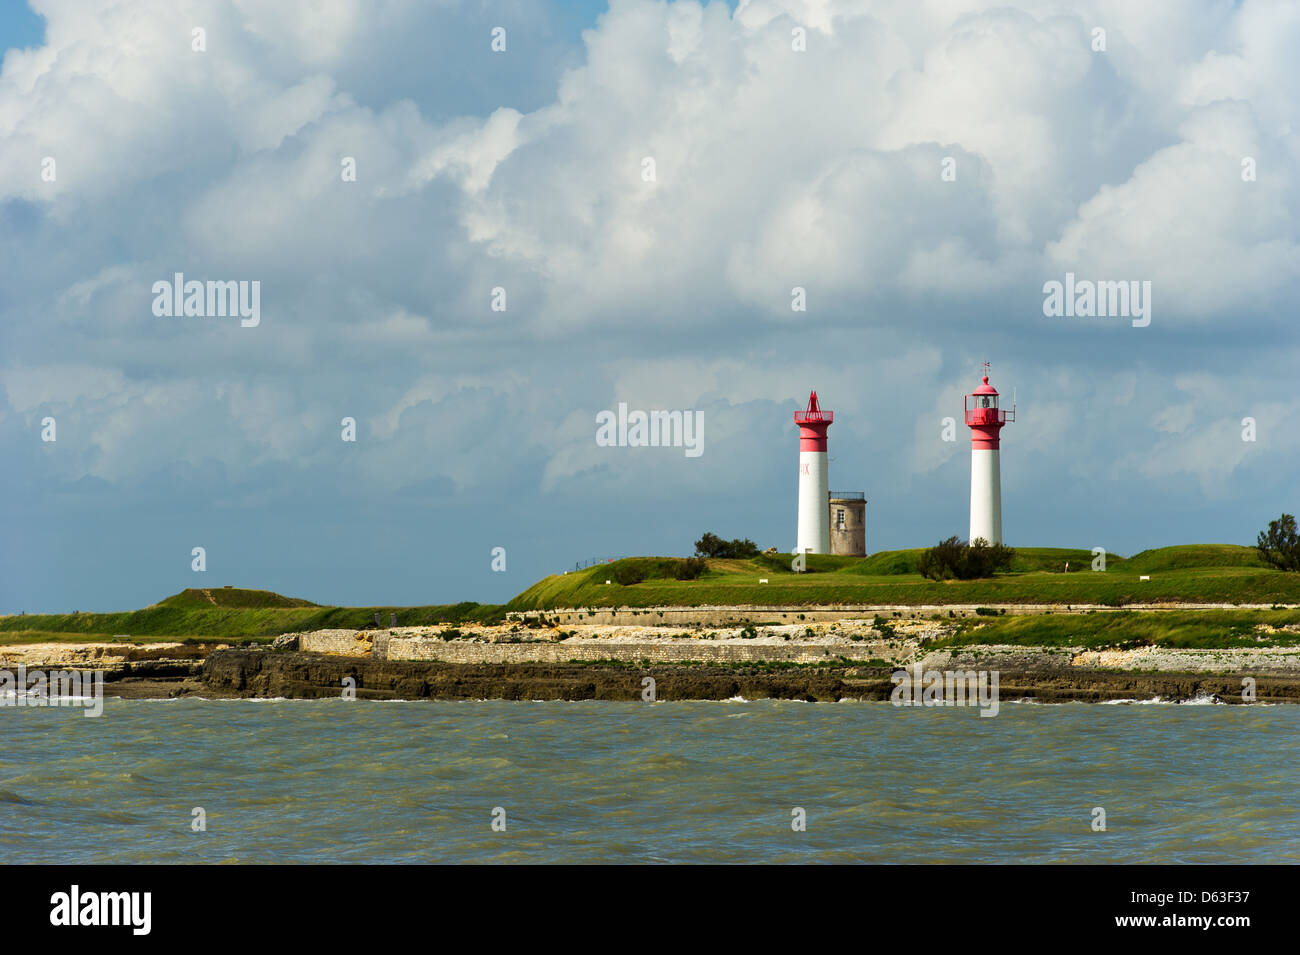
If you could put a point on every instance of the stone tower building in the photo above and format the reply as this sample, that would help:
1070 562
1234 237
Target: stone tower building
848 514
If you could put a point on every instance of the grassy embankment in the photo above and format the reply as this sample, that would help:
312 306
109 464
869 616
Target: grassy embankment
1127 629
1214 573
224 615
1195 574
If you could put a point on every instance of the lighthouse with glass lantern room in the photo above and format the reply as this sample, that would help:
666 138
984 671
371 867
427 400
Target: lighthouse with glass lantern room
985 421
814 532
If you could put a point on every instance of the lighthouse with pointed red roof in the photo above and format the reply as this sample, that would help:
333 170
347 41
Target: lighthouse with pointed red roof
814 532
985 421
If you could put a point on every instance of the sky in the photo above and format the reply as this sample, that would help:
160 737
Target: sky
618 207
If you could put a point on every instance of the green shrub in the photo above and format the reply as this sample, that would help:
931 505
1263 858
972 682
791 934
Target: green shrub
711 545
956 558
627 573
1279 546
689 569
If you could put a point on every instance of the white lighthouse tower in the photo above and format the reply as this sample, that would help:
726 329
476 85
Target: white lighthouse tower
814 534
985 421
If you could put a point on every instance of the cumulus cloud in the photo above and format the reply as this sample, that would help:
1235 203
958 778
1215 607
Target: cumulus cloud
1190 222
919 170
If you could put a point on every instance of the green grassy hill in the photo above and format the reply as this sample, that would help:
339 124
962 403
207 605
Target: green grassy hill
231 597
232 615
1194 556
1209 573
1215 573
893 563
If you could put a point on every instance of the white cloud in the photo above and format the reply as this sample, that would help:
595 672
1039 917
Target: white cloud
1188 222
774 168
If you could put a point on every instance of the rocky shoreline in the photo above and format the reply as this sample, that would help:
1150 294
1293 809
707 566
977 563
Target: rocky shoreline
262 673
846 659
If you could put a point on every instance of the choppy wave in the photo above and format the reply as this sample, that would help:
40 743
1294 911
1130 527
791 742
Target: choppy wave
683 781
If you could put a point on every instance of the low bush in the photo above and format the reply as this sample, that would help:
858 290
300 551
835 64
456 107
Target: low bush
955 558
627 573
711 545
690 568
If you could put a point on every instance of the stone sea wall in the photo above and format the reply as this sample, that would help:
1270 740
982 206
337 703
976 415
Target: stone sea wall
1246 660
397 645
660 651
351 643
728 650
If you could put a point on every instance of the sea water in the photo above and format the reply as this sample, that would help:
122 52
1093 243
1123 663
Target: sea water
603 782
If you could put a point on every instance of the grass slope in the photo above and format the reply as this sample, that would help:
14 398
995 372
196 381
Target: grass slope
1213 573
231 597
1125 629
261 614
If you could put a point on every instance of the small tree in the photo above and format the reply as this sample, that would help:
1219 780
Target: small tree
956 558
711 545
1280 545
941 561
983 559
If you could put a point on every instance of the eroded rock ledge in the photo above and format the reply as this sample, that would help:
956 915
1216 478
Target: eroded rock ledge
300 675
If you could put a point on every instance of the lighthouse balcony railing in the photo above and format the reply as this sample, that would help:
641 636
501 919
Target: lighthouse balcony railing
978 417
847 495
813 417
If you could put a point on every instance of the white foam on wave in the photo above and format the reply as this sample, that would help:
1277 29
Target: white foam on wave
1126 701
1203 699
151 699
224 699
